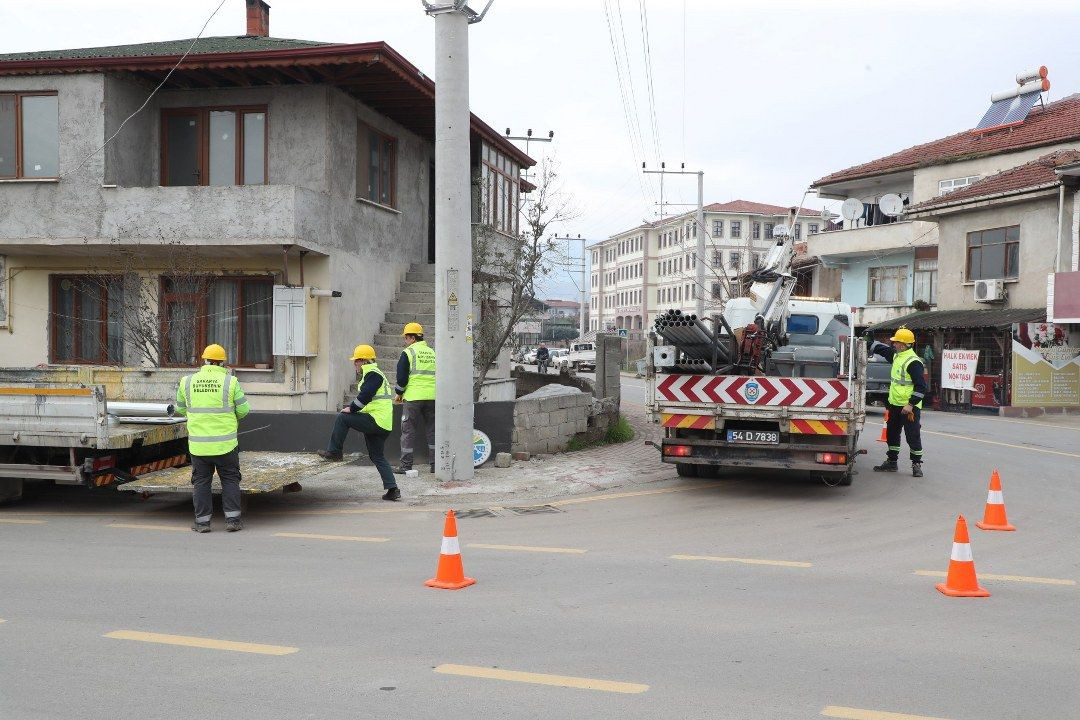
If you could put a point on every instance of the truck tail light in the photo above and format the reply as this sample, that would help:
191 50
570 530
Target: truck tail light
829 458
105 461
678 450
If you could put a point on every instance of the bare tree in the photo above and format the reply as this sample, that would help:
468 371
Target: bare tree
506 268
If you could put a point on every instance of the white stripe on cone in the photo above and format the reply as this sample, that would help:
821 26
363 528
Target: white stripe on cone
962 552
450 546
995 497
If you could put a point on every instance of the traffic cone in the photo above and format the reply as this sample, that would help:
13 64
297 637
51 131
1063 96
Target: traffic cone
451 573
884 437
994 518
961 580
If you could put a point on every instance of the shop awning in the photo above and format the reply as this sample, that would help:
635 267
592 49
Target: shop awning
989 318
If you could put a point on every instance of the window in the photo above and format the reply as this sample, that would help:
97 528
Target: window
755 261
947 186
213 146
501 194
86 319
735 260
717 291
812 228
736 228
925 280
29 135
993 253
717 258
887 285
798 231
234 312
803 324
718 228
769 229
755 230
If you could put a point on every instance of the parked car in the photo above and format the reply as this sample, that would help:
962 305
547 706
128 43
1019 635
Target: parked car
530 357
878 377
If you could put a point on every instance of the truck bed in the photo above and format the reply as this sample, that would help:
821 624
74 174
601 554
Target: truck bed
262 472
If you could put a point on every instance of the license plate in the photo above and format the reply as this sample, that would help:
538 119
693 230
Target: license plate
754 437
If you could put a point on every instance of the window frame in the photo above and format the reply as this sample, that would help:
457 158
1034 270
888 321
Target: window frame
20 173
735 260
203 113
103 330
365 131
968 247
736 229
494 191
901 284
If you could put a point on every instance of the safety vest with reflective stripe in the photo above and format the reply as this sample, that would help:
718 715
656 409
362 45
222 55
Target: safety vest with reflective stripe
213 402
421 372
902 386
381 406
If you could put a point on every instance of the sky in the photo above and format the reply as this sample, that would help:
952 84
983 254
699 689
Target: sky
764 97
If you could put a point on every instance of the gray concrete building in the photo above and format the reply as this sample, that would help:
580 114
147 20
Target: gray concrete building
263 173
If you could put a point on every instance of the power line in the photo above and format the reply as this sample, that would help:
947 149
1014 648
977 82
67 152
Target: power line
646 47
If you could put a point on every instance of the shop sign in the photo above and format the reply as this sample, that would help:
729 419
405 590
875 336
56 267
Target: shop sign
1045 364
958 369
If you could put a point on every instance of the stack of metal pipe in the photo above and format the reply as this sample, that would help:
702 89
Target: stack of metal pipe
695 342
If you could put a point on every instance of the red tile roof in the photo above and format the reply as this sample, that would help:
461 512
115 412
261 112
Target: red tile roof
1029 175
756 208
1058 122
562 304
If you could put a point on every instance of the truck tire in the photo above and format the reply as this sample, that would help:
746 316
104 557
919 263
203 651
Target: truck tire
686 470
11 490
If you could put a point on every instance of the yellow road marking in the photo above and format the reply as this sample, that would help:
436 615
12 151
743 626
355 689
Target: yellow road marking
310 536
747 561
200 642
835 711
138 526
1029 422
527 548
1013 578
541 679
21 521
636 493
1002 444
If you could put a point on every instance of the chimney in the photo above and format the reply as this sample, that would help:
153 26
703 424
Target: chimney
258 18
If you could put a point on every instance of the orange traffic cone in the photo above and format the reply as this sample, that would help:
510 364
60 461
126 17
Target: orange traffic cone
961 580
994 517
451 573
884 437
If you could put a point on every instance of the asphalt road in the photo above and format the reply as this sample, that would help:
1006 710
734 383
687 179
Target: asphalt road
807 604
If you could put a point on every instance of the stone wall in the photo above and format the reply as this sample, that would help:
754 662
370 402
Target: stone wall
545 420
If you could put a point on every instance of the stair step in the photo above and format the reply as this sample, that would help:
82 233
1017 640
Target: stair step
413 310
421 277
426 318
421 298
423 269
411 286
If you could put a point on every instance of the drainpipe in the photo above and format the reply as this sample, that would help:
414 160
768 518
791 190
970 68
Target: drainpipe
1061 211
1076 232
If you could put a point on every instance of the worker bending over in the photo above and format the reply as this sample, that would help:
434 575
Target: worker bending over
906 391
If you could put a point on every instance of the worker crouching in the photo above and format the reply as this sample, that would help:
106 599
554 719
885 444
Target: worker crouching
906 392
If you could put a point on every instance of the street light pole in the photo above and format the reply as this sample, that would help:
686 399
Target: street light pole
453 242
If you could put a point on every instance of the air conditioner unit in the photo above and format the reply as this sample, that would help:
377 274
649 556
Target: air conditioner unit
989 291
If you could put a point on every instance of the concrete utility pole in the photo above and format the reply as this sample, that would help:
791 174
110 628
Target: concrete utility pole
699 266
453 242
582 288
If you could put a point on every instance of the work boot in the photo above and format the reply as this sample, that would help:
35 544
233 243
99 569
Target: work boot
402 468
916 469
392 494
201 527
233 524
887 466
327 455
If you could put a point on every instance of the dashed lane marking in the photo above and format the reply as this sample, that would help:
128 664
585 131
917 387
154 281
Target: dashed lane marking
835 711
542 679
1012 578
527 548
345 538
148 526
201 642
1002 444
746 561
21 521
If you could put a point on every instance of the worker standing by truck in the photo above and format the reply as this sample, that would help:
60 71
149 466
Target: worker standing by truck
415 387
907 388
214 404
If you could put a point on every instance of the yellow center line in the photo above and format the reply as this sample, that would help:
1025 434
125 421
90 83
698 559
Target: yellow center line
1013 578
541 679
350 538
22 521
746 561
138 526
201 642
1002 444
835 711
527 548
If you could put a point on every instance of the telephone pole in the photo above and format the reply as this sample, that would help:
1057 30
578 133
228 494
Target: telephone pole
453 241
699 265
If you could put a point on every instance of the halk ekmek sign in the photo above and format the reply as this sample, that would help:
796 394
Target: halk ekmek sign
958 369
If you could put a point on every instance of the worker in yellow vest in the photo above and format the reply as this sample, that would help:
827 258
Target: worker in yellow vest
416 388
370 413
904 405
214 404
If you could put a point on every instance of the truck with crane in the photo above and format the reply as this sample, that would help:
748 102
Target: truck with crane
773 382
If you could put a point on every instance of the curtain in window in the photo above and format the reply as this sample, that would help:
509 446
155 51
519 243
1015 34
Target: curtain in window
64 318
89 328
258 313
222 322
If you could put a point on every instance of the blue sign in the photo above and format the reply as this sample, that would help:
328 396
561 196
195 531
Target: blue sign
481 449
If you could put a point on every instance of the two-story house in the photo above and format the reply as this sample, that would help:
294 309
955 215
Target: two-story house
160 196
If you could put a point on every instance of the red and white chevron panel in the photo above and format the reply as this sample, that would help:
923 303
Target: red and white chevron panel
746 390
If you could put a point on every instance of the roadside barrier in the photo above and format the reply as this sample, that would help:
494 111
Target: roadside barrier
994 517
450 574
961 580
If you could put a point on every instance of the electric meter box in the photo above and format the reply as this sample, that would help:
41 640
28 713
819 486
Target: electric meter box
296 322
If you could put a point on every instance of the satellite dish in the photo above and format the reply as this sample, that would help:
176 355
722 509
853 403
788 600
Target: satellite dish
891 204
852 209
781 231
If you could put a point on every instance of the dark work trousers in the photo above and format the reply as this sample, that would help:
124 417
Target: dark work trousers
202 475
374 436
414 412
898 421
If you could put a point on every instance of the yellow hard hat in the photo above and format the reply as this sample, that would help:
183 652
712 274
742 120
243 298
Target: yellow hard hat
903 335
413 329
214 352
363 352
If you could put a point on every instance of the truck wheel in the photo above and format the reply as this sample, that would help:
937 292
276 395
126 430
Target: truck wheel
686 470
11 490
